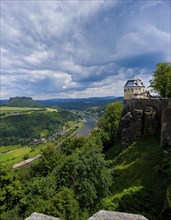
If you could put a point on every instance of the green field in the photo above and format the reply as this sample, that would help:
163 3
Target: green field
15 156
10 110
4 109
5 149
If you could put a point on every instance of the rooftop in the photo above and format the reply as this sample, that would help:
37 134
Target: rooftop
134 82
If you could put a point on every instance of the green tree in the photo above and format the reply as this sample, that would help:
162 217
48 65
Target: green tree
11 189
37 197
161 82
87 173
109 123
65 205
70 144
50 158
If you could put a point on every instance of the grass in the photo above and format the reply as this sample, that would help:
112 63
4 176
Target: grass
4 109
44 133
5 149
17 155
139 167
51 109
7 111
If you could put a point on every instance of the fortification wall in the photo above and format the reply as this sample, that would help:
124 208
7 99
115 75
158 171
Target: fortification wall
146 117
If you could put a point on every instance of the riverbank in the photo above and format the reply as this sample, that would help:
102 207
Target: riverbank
90 124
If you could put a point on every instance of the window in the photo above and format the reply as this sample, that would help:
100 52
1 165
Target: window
125 90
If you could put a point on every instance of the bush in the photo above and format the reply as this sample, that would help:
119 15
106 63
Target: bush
26 156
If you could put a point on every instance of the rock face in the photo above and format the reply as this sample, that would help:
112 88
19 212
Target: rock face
166 128
101 215
110 215
146 118
39 216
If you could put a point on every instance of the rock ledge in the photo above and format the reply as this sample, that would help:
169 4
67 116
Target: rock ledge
110 215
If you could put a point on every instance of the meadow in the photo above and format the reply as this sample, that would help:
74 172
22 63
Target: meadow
17 153
13 110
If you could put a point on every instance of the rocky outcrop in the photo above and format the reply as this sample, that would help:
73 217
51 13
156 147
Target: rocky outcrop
110 215
166 128
146 118
101 215
22 98
40 216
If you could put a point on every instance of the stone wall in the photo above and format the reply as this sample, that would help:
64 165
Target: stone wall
146 118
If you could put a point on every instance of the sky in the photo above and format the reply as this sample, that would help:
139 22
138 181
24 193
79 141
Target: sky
76 49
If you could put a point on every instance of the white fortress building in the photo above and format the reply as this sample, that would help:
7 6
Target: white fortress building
135 89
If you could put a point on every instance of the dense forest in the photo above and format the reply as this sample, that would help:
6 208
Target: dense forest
87 175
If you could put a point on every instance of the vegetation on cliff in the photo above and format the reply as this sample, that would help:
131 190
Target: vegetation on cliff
161 82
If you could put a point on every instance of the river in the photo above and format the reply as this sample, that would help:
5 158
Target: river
90 124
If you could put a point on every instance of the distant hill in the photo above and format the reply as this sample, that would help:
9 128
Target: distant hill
3 101
70 104
22 102
80 103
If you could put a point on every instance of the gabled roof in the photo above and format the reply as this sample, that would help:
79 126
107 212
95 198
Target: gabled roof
134 82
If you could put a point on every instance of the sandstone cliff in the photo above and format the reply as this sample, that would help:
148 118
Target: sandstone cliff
146 118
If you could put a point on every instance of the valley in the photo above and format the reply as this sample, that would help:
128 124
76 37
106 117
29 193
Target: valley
26 131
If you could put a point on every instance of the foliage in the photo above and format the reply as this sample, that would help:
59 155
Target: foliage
161 81
87 173
65 205
141 165
11 189
69 145
50 158
26 156
109 123
37 196
130 200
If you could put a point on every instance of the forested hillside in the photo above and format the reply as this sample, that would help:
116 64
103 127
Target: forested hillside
22 127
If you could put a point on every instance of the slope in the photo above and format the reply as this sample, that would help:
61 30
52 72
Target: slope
141 176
